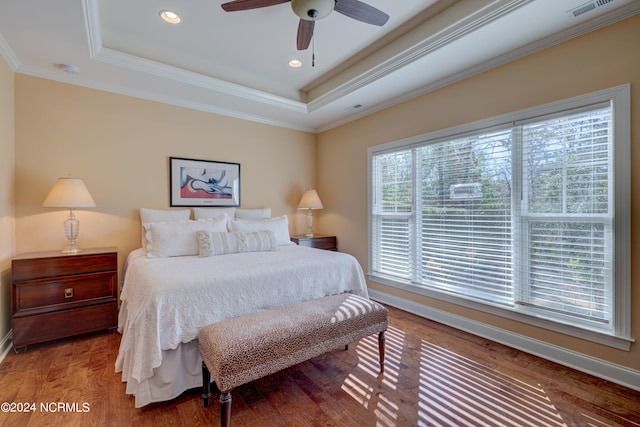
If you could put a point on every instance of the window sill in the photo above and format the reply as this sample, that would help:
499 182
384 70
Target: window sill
621 343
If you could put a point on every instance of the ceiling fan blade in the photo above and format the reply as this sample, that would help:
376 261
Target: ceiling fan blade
305 33
362 12
234 6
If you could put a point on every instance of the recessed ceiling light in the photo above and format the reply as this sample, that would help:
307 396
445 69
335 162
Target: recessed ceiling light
295 63
170 16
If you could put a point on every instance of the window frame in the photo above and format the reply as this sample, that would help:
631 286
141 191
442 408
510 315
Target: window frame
620 334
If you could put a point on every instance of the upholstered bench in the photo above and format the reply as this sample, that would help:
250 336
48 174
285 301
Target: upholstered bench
243 349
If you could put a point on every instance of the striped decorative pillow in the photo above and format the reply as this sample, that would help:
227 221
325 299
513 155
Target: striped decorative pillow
212 243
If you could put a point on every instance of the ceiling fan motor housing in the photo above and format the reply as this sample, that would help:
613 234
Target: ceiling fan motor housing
312 10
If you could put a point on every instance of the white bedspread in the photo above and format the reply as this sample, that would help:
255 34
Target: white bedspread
166 301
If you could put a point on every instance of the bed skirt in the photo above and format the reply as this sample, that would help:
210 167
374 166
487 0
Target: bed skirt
181 370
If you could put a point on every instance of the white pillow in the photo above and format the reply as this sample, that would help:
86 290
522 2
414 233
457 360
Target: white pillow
179 238
279 225
202 213
216 243
161 215
264 213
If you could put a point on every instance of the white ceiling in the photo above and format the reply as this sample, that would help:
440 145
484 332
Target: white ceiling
235 63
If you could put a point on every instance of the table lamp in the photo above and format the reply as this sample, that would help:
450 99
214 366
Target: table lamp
70 193
310 201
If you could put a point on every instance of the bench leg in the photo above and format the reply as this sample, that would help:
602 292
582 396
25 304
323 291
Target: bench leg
381 345
225 409
206 385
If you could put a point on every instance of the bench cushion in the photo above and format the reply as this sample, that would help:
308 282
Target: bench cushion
243 349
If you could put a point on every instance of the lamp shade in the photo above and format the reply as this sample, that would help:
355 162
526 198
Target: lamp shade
310 200
69 193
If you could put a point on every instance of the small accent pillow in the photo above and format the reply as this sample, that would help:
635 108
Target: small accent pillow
264 213
279 225
161 215
212 243
203 213
179 238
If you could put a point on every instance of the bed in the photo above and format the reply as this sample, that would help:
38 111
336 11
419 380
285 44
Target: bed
166 300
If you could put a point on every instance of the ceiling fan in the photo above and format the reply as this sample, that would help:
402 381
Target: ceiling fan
310 11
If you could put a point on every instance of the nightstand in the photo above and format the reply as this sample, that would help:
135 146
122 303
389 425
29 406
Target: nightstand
57 295
318 241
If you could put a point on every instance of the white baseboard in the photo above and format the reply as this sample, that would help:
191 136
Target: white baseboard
6 344
581 362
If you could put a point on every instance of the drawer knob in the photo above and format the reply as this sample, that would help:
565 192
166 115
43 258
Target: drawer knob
68 293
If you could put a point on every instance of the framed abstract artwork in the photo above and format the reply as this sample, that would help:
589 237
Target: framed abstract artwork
204 182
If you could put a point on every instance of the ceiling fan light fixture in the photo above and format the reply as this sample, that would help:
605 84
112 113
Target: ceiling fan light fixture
295 63
312 10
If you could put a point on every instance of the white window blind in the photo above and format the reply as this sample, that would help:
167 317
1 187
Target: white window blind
465 216
518 216
567 213
392 211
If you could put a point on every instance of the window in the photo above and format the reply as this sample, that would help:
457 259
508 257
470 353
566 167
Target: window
521 215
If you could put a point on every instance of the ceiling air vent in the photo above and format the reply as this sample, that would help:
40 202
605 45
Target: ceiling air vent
588 7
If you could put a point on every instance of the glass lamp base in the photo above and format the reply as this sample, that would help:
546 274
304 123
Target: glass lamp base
309 232
71 231
70 250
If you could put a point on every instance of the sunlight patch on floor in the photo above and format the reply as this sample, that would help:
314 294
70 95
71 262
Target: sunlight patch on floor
457 388
450 390
361 389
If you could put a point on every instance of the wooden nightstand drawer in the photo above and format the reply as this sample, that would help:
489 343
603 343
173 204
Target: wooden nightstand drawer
40 296
38 266
319 242
30 330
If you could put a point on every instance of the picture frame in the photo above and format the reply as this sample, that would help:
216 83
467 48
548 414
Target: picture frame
196 183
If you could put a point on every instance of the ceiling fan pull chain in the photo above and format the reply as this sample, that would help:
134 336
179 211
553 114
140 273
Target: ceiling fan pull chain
313 51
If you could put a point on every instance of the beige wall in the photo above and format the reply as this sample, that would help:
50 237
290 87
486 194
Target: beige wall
602 59
7 203
120 146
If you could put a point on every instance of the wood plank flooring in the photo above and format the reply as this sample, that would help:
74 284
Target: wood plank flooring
435 376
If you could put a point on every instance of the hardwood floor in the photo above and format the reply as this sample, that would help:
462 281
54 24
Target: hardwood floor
435 376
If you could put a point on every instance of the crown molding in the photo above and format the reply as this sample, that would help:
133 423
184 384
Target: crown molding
602 21
76 80
99 52
92 26
9 55
481 18
471 23
136 63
